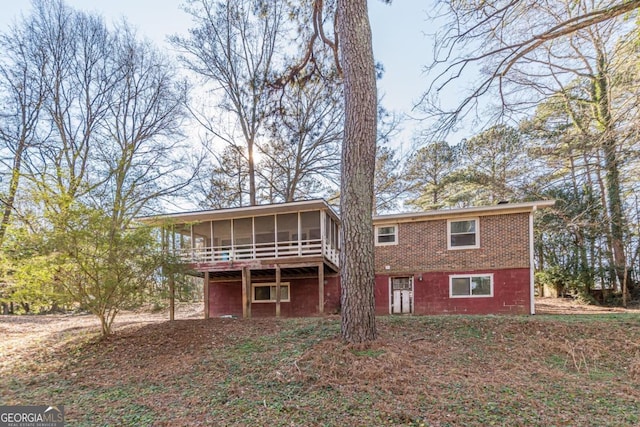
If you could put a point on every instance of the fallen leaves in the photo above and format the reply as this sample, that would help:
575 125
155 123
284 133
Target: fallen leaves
431 370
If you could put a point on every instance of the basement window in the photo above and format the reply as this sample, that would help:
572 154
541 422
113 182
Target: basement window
464 286
266 292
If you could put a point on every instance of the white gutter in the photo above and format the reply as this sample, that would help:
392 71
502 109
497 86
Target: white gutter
505 208
242 212
531 264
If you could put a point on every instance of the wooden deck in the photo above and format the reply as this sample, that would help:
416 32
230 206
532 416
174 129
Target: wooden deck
260 255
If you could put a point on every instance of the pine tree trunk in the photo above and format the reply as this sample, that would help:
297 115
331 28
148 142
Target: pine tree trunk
358 166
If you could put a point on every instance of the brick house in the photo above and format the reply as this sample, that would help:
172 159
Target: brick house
472 260
283 259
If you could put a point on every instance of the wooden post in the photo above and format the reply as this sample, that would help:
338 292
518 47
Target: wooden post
278 290
206 294
249 292
321 288
244 293
172 297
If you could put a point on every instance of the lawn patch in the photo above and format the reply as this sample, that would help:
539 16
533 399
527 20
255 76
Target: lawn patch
422 371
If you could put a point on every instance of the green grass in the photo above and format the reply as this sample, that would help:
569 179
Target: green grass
423 371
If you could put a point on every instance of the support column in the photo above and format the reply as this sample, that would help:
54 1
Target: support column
321 288
206 294
172 297
278 273
249 292
246 293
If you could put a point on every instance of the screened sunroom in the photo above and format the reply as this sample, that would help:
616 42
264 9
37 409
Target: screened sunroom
295 230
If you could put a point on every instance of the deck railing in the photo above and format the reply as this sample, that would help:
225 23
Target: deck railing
294 248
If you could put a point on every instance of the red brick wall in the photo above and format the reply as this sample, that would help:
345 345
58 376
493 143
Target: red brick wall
511 294
382 294
226 298
422 246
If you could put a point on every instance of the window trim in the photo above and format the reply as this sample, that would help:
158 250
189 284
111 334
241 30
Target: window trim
269 284
395 235
477 233
470 277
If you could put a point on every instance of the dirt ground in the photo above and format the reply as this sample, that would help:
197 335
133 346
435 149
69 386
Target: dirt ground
422 371
571 306
20 334
18 331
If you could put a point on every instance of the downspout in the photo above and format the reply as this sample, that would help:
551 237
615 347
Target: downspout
531 265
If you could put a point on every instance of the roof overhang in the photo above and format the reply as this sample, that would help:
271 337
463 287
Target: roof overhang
243 212
499 209
319 204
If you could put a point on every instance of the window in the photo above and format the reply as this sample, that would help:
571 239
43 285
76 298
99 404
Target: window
386 235
266 292
310 225
471 286
463 234
401 283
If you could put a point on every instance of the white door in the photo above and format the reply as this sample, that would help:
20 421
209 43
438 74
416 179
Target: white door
401 295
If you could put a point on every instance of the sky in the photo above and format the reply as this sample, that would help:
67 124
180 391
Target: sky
399 40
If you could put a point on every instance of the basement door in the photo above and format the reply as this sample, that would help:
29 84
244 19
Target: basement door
401 295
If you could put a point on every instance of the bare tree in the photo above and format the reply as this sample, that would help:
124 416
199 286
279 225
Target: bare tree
495 36
110 115
302 156
141 150
22 93
359 146
80 83
588 79
234 47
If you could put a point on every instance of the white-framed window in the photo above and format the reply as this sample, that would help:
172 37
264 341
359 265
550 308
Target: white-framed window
471 285
463 233
266 292
386 234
